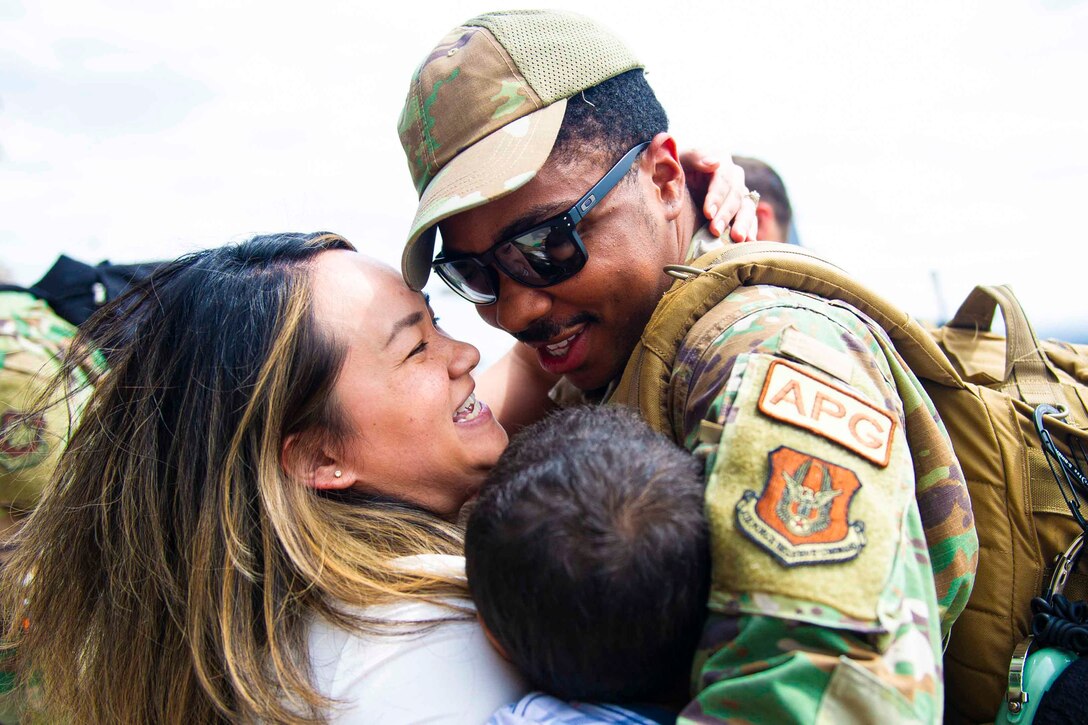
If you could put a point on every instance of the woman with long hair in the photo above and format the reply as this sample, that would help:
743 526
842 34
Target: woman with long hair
254 517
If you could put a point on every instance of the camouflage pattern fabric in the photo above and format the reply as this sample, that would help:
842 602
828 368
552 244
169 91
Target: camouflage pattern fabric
430 145
838 515
32 340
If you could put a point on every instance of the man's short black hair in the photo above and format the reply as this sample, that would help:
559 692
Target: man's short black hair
613 116
588 556
759 176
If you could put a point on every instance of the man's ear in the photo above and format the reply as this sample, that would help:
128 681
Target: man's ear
313 467
661 160
491 638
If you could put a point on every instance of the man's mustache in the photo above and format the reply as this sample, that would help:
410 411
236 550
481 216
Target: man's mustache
544 330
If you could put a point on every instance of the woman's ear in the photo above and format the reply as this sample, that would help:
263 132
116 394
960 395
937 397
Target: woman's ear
314 467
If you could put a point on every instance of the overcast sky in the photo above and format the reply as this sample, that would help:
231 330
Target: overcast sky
925 145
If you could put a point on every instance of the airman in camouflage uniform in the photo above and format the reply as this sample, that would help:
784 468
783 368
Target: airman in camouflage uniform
33 339
843 539
838 548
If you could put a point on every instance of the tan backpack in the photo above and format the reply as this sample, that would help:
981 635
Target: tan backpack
985 388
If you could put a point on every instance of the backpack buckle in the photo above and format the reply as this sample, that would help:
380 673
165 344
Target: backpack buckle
682 271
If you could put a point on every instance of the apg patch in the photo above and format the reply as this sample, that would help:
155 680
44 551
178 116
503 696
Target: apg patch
22 440
794 396
801 516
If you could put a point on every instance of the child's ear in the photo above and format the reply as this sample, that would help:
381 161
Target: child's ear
491 638
314 468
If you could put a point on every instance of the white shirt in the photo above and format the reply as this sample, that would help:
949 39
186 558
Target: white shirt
536 707
447 674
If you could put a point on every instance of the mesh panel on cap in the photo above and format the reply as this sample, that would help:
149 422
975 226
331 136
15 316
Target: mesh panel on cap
559 54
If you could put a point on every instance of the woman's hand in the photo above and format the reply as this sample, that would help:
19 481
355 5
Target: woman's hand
720 187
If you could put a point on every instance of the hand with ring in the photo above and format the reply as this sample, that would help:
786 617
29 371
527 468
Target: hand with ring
719 187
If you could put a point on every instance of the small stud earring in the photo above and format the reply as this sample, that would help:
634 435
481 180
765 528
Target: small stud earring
338 473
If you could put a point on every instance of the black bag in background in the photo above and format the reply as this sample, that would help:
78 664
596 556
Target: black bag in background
75 290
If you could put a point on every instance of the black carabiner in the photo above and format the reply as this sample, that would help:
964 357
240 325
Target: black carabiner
1072 477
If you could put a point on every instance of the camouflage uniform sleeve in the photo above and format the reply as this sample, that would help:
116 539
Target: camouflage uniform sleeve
823 602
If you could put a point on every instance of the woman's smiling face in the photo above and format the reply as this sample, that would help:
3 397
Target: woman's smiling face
414 430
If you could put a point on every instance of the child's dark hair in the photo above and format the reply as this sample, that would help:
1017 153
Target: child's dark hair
588 556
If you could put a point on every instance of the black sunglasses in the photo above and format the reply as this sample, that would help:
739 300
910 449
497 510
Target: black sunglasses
547 254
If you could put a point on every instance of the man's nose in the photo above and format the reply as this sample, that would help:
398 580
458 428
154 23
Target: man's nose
517 307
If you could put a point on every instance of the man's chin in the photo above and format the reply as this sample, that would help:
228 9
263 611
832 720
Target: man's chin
592 382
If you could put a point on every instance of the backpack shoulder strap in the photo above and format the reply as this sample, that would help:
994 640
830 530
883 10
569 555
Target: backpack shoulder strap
711 278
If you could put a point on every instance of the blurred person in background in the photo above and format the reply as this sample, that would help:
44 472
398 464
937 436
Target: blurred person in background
773 211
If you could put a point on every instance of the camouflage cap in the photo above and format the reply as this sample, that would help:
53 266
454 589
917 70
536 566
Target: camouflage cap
484 109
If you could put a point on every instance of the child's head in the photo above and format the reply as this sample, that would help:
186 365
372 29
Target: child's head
587 555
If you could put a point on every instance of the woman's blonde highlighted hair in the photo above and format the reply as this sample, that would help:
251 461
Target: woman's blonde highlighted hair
170 571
